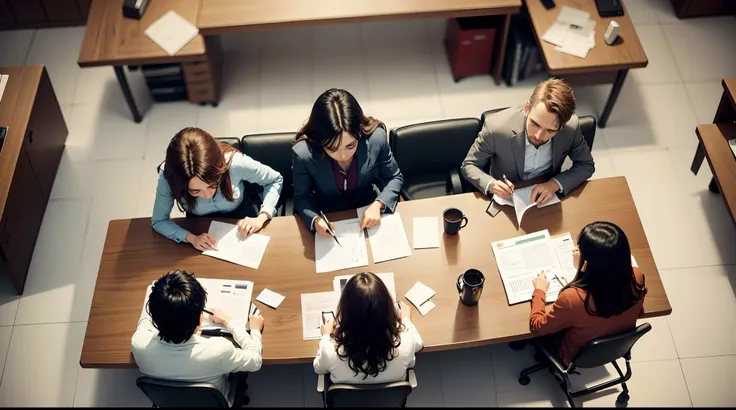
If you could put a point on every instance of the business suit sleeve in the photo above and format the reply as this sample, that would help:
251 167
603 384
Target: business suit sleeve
583 165
389 172
479 156
161 217
304 203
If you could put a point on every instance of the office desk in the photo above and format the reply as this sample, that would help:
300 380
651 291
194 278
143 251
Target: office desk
28 162
604 63
113 40
134 255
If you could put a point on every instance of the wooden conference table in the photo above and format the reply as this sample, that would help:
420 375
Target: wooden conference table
134 255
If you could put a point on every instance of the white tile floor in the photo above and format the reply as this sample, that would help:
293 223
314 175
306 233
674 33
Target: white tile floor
399 73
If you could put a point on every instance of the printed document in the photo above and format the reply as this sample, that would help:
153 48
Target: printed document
313 304
521 259
350 253
426 232
388 238
573 32
564 245
522 202
230 247
338 284
171 32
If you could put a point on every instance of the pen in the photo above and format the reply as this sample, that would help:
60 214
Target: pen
506 180
559 280
208 312
324 218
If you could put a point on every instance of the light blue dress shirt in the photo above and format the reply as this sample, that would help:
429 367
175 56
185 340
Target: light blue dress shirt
538 160
242 168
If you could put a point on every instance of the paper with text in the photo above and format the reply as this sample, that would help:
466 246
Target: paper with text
270 298
564 246
521 200
388 239
171 32
230 247
338 283
350 253
521 259
313 304
426 232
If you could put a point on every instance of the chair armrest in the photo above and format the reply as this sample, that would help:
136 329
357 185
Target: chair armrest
406 195
552 356
412 378
457 184
320 383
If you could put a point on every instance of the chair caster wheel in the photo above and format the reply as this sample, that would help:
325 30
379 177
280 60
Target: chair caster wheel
215 104
524 380
622 398
517 345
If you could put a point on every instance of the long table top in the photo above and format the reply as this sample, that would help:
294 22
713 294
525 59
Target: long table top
134 255
228 16
626 52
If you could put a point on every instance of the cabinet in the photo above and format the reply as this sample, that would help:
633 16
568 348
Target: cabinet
29 160
23 14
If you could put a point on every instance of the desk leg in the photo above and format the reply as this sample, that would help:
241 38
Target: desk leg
698 160
123 81
617 85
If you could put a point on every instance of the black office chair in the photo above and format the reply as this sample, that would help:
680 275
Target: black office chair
274 150
587 128
430 155
366 395
595 353
165 393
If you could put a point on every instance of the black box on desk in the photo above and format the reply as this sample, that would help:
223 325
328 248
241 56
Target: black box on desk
134 8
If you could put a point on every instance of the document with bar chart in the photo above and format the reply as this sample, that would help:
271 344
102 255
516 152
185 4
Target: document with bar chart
521 259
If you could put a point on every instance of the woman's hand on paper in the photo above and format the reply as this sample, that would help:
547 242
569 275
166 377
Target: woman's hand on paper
203 242
541 282
247 226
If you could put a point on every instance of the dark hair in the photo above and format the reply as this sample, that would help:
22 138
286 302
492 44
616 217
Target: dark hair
368 327
176 305
335 111
193 152
609 276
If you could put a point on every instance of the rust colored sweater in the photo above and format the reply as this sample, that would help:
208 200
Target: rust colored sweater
568 313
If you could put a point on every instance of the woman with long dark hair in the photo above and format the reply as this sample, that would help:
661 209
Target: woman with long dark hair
370 340
605 297
338 157
206 177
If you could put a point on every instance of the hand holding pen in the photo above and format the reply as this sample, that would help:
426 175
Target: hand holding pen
324 227
503 189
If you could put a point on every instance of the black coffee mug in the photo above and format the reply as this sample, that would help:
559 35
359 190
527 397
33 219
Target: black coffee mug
470 286
454 220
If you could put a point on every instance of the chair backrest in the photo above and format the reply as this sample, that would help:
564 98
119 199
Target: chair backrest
165 393
587 128
606 349
436 146
489 112
273 150
368 395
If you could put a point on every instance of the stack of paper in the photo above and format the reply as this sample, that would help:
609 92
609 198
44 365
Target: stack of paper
339 282
522 202
232 248
351 252
419 295
171 32
3 83
313 304
573 32
388 238
523 258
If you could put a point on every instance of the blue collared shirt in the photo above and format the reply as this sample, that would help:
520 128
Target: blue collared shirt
242 168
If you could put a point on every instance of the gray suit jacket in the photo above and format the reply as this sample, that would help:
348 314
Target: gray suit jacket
501 143
315 188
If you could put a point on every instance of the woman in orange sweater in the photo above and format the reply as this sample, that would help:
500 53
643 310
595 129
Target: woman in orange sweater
605 297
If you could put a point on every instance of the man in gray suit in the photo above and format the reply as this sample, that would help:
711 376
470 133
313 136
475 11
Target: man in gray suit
531 141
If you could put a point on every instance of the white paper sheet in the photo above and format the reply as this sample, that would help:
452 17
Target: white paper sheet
573 16
270 298
388 239
732 144
4 78
419 294
557 33
564 245
171 32
338 283
426 232
313 304
521 259
230 247
426 307
522 202
576 46
350 253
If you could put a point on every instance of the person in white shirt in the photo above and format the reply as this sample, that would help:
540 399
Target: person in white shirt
168 345
370 340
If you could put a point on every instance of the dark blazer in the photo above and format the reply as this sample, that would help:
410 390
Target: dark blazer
501 143
315 188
